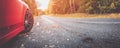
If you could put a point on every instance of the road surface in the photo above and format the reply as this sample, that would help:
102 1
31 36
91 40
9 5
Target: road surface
53 32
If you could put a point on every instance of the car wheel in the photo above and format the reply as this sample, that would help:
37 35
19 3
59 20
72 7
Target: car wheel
28 21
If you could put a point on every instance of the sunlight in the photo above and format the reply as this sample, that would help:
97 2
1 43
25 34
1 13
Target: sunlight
42 4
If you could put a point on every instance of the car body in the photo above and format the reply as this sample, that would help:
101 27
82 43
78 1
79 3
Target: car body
12 19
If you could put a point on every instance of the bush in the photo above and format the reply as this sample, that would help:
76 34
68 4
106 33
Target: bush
104 6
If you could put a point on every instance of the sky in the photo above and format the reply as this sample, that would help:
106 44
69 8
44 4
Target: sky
42 4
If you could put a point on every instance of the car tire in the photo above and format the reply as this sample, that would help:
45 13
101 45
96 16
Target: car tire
28 21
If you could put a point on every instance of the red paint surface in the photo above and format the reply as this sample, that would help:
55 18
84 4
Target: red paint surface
11 12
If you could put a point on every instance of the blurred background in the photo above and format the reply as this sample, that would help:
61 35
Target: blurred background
40 7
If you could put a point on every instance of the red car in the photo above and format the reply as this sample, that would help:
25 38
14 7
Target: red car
15 17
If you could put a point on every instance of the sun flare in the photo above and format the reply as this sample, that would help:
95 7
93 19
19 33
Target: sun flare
42 4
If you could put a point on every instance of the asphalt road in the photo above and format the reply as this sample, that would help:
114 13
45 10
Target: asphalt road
53 32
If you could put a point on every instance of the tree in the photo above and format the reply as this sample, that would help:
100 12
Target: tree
84 6
33 6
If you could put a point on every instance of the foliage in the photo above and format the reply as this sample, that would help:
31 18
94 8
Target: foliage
33 6
107 6
84 6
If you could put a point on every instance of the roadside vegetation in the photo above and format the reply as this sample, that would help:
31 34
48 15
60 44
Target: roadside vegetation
84 6
33 6
75 8
79 8
84 15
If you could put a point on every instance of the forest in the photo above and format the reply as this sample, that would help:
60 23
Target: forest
83 6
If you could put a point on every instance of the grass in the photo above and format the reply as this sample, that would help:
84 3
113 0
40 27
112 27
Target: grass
83 15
